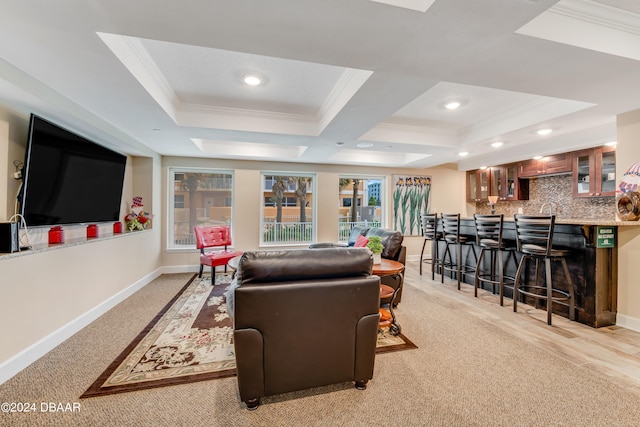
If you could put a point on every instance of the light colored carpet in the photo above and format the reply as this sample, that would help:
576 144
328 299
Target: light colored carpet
191 339
465 372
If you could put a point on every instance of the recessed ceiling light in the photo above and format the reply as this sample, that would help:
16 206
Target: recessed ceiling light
537 157
611 143
252 80
452 105
497 144
364 145
339 143
544 131
463 153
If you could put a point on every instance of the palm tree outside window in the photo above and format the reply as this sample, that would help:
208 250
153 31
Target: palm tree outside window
200 197
368 208
287 213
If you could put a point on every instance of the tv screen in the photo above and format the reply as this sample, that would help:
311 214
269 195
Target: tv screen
69 179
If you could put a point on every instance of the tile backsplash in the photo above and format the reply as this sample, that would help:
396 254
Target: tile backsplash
556 190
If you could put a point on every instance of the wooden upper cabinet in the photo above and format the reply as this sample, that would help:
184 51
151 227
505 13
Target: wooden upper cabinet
594 172
549 165
529 168
593 175
506 185
501 181
558 163
478 182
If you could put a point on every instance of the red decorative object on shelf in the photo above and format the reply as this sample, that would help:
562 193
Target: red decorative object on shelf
56 235
117 227
138 219
92 231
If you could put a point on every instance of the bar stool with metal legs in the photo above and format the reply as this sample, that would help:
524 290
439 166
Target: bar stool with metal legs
452 236
489 238
429 224
535 241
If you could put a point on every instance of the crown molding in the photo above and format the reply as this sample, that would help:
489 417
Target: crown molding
599 14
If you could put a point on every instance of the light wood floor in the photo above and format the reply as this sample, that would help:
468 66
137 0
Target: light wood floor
612 350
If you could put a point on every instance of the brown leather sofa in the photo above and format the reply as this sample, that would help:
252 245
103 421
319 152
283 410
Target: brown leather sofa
304 319
393 249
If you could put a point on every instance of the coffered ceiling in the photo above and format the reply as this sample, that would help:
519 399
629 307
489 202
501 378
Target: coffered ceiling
353 82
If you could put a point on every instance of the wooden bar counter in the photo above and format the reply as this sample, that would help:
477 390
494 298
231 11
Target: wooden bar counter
594 269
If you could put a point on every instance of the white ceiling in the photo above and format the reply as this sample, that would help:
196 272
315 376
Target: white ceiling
167 76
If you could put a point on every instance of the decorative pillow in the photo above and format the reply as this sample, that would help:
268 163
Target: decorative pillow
355 232
361 242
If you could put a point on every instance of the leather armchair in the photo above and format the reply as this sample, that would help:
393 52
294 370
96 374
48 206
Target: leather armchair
393 249
304 319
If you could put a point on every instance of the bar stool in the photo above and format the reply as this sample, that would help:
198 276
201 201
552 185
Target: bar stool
489 238
452 236
535 241
429 224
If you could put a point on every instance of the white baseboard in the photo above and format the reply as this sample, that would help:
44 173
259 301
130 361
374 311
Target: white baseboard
32 353
628 322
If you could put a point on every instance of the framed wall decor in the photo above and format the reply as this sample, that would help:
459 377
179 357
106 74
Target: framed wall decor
411 198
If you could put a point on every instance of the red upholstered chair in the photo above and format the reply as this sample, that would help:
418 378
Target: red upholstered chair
214 237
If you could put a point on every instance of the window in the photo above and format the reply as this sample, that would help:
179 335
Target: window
288 206
200 197
368 211
286 201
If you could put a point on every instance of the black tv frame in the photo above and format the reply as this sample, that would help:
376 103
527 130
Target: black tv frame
69 179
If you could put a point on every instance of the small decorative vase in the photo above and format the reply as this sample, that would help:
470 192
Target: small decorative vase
377 258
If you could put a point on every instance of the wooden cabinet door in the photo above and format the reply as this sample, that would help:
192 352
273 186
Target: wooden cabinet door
484 182
497 182
478 182
472 186
594 172
514 188
605 161
549 165
557 163
529 168
583 164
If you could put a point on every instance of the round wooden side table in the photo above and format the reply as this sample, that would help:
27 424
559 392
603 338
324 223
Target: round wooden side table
387 317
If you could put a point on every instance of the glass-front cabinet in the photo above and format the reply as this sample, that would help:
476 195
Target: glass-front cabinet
478 185
507 187
505 183
497 184
511 182
594 172
501 181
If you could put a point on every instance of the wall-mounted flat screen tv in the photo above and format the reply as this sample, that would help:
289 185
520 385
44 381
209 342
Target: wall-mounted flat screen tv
69 179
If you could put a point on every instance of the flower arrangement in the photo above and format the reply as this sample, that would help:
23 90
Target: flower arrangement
137 219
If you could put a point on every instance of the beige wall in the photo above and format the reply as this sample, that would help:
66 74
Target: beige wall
13 141
446 180
44 292
628 153
47 293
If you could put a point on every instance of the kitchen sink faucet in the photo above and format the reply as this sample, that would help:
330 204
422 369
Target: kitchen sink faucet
552 208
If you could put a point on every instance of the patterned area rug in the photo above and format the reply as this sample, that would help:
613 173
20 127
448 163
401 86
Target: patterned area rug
191 339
